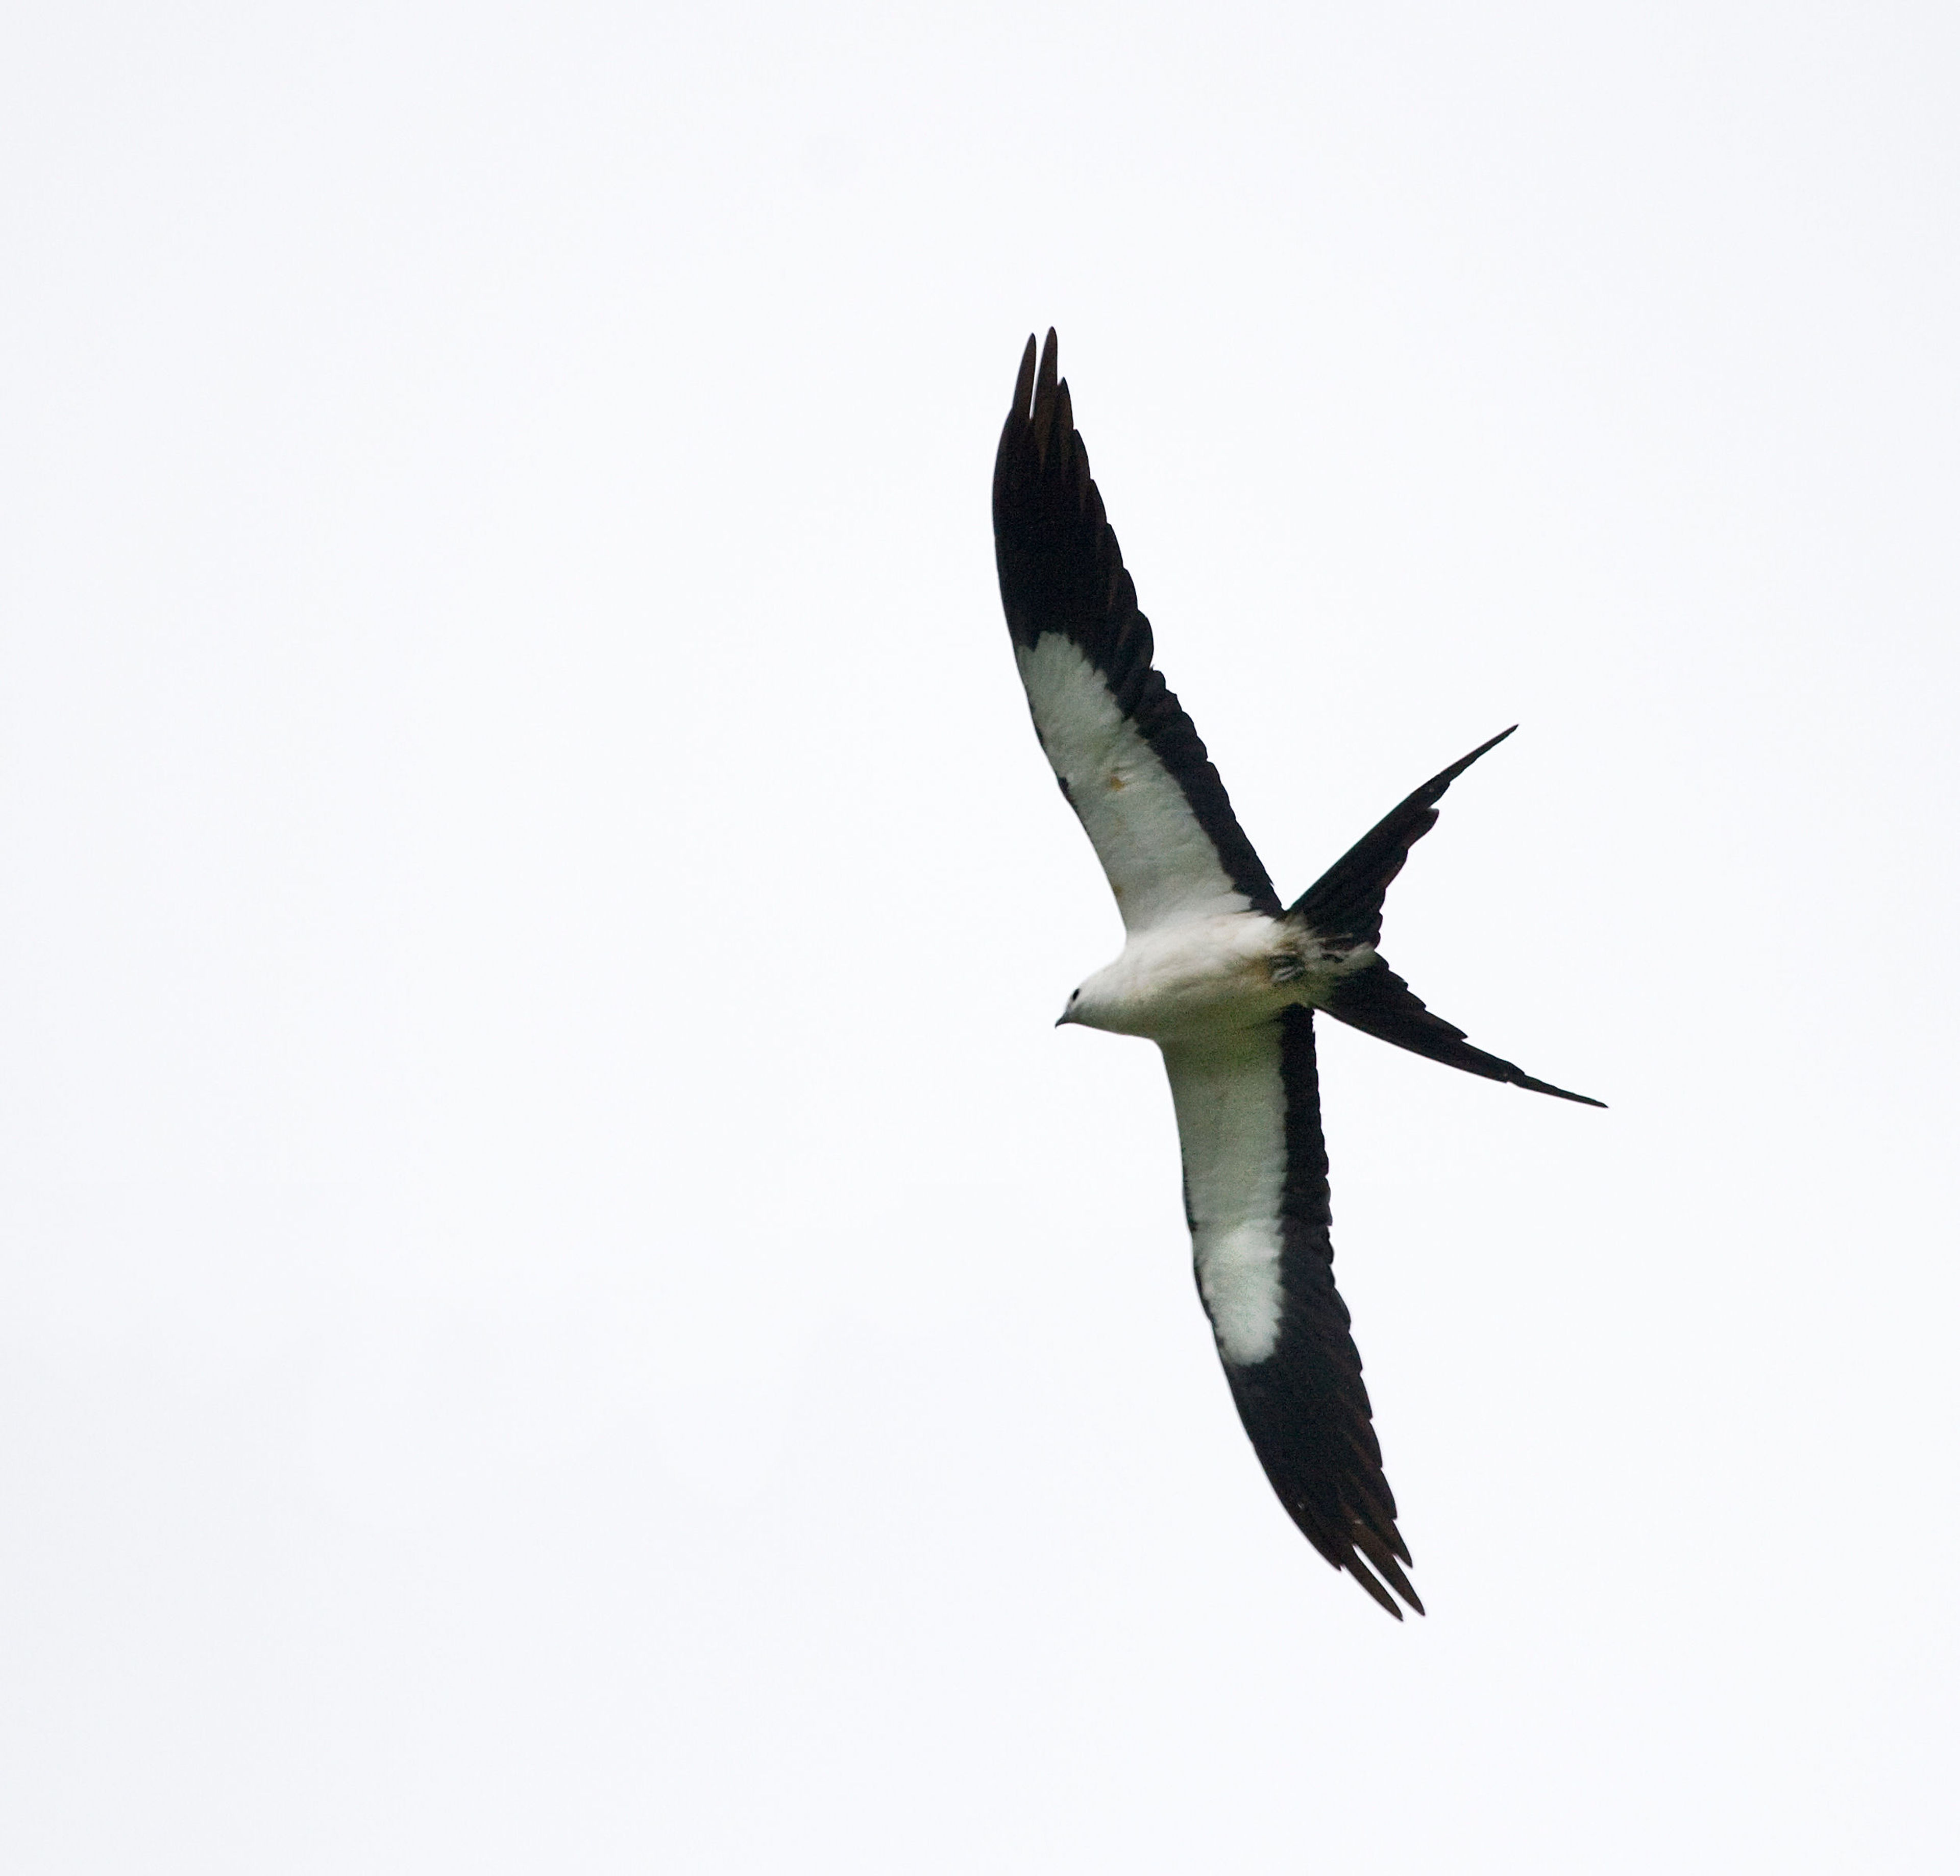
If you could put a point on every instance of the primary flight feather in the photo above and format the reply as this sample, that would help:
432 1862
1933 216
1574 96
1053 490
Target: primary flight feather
1222 978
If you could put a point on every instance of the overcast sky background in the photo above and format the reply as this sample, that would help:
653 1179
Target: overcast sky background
563 1306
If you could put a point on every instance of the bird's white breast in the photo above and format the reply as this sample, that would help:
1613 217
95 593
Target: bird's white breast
1202 975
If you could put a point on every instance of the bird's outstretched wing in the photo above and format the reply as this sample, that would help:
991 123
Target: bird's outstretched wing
1127 757
1256 1190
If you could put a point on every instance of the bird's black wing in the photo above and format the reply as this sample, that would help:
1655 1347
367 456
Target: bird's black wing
1255 1192
1127 757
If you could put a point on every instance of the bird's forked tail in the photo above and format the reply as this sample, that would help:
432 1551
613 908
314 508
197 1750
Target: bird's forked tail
1343 908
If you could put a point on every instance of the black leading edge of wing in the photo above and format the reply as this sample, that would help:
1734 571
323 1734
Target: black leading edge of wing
1060 571
1304 1407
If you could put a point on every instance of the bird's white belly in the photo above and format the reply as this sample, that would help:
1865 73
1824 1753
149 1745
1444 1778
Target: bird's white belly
1201 976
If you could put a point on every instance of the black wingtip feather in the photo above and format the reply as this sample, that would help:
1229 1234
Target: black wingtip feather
1362 1575
1382 1555
1074 458
1042 415
1024 384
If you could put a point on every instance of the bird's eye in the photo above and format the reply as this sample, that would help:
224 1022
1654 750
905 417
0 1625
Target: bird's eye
1074 995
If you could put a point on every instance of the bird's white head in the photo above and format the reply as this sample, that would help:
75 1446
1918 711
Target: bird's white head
1096 1006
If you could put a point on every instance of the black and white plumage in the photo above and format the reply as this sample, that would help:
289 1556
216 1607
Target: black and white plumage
1222 978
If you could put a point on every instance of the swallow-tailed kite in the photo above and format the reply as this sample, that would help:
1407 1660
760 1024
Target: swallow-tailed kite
1222 978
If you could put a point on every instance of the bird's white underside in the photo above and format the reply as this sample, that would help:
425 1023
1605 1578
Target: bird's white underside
1227 1088
1160 863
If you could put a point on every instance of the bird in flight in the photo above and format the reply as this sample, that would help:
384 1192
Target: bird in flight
1223 979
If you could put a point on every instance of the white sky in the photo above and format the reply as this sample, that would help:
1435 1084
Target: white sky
563 1307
